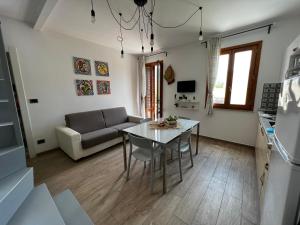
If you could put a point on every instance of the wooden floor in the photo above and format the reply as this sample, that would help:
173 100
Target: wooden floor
220 189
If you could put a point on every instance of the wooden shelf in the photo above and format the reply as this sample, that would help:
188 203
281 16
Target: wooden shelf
185 102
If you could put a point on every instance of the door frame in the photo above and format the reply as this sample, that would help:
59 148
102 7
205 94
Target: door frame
152 64
18 78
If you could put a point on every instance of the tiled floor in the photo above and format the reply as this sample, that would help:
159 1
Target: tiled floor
220 189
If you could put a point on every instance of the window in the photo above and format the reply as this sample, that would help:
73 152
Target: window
237 76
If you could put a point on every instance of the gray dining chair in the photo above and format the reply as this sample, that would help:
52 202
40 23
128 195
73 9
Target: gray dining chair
182 145
145 151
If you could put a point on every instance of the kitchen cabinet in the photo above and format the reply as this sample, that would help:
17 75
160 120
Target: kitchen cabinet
262 155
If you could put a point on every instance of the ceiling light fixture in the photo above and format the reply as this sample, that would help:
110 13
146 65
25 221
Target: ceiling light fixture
201 32
93 14
143 18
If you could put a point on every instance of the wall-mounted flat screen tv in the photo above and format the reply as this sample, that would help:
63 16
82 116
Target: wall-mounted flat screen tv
186 86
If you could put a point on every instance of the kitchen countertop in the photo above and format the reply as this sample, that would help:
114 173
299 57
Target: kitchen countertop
264 122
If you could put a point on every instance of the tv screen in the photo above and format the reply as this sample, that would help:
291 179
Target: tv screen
186 86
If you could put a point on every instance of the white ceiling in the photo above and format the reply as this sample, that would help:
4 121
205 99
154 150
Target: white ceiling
24 10
72 17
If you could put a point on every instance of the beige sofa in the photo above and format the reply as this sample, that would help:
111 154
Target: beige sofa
89 132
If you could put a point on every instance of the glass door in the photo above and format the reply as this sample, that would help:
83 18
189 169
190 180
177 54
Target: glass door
154 90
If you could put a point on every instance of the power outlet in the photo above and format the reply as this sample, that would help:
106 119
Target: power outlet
41 141
33 101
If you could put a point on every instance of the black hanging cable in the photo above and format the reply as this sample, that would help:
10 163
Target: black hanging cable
121 36
142 39
142 12
201 32
148 15
132 17
170 27
152 34
141 31
119 22
93 14
144 25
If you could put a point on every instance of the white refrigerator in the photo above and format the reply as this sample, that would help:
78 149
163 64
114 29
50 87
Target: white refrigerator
282 197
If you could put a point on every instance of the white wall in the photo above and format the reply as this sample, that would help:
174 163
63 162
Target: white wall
47 71
190 62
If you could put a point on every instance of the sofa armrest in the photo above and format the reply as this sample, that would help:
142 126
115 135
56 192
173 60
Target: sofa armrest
137 119
69 141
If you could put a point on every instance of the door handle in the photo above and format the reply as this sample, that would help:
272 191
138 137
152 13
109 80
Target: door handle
297 219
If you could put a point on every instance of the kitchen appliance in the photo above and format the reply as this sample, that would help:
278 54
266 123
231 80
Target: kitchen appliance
294 65
282 197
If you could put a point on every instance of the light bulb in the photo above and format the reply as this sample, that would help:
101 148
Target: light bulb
152 39
151 49
122 54
93 16
142 48
200 35
152 42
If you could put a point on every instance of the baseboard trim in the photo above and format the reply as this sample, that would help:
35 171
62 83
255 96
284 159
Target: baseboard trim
224 141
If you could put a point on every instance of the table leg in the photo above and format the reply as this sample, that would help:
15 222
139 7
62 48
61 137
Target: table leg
124 151
197 138
164 170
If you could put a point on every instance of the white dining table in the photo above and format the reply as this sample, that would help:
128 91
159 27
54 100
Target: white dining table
161 136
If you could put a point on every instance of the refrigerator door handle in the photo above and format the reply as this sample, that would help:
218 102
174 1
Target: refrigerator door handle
280 149
297 219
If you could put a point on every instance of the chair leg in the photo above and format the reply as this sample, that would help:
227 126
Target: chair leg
191 154
129 161
171 154
145 164
160 162
152 173
179 160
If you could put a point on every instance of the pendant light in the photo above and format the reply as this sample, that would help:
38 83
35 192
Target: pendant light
143 17
93 14
201 32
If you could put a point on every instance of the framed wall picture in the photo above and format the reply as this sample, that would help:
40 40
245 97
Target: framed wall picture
103 87
82 66
84 87
101 68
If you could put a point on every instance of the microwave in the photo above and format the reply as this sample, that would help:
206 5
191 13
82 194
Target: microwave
294 64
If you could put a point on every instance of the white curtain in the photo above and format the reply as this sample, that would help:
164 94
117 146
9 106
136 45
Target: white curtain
141 85
214 47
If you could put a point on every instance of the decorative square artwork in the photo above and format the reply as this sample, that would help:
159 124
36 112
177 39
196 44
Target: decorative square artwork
103 87
84 87
270 96
101 68
82 66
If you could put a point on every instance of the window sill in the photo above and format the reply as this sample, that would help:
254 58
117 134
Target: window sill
235 107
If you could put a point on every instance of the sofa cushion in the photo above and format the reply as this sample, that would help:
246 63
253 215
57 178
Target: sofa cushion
98 137
85 122
114 116
122 126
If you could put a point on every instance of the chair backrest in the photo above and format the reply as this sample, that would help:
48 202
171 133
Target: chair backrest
84 122
186 136
114 116
140 142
